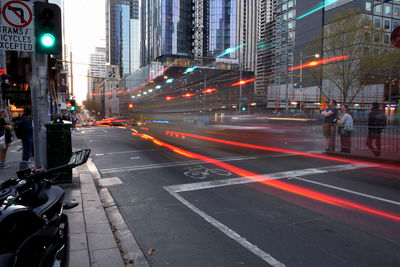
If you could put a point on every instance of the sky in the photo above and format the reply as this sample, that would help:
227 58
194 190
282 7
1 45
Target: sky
84 30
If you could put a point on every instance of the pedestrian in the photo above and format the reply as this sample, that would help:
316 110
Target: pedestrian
345 129
376 123
27 138
330 116
5 128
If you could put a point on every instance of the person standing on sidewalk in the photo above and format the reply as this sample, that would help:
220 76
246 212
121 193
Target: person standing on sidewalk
346 129
27 138
5 128
330 116
376 123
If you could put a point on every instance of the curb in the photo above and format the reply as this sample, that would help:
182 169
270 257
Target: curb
365 158
129 248
96 236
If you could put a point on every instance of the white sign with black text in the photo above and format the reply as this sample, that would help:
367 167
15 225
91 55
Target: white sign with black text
16 26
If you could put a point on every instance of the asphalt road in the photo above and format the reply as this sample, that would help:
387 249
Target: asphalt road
220 202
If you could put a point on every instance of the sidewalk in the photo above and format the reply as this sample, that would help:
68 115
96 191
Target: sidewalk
92 242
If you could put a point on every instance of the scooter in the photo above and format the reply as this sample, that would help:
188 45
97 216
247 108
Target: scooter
33 227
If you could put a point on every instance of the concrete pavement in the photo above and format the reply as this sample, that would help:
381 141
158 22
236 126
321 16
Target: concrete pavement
92 241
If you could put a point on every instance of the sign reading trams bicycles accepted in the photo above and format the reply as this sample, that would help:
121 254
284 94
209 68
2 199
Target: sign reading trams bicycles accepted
16 26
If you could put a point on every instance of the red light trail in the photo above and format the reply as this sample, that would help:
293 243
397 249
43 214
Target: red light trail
209 90
315 63
279 150
243 82
188 95
294 189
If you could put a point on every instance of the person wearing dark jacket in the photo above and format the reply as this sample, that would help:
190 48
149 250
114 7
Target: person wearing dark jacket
27 139
5 128
376 124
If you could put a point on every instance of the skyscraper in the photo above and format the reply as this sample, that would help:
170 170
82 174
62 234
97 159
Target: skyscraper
97 68
247 33
221 27
167 32
265 44
122 31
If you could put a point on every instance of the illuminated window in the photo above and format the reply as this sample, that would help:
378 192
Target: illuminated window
387 10
396 11
378 9
386 39
368 6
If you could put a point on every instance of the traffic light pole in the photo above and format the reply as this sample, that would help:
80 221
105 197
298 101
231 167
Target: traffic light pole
40 107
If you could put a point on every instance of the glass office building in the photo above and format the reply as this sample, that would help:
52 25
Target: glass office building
122 34
167 31
221 27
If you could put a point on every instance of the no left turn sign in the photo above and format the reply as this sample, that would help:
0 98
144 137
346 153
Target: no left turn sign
16 26
17 14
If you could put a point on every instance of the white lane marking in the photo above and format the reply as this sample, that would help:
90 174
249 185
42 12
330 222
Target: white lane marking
104 182
229 232
184 163
127 152
349 191
271 176
101 154
135 158
83 132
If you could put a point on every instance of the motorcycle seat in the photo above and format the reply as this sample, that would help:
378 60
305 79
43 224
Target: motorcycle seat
7 259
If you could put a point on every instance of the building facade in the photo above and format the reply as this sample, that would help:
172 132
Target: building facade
97 67
122 34
167 32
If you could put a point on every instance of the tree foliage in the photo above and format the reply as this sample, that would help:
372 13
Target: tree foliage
92 106
351 33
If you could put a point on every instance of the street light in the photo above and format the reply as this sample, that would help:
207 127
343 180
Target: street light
301 73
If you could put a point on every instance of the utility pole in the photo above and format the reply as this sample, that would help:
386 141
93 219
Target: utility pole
40 107
72 74
390 96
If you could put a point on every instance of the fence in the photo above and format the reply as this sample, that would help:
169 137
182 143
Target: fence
388 137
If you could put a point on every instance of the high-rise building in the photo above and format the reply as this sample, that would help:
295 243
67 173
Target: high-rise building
122 34
221 27
167 32
97 67
247 34
265 45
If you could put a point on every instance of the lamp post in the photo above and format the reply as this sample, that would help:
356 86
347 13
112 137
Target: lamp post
301 74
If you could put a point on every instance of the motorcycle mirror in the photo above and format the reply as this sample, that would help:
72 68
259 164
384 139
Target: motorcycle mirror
78 158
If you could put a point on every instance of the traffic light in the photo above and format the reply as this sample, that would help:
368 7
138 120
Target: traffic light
130 105
243 108
73 107
69 105
48 28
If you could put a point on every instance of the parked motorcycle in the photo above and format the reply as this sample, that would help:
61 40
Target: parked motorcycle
33 227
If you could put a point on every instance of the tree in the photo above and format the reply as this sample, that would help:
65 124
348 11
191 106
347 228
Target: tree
92 106
352 34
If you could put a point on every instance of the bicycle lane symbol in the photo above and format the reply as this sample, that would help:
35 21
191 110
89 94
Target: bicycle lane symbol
201 172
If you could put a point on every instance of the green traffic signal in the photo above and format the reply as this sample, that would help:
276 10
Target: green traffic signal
243 108
48 30
47 40
73 108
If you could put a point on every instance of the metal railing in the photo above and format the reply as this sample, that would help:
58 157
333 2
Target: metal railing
388 137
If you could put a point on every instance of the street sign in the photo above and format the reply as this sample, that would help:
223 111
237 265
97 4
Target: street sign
16 26
395 37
